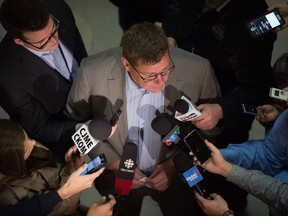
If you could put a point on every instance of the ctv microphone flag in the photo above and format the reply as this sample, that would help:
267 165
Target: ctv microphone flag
191 110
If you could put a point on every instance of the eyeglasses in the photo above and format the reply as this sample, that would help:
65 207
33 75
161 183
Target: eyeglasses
44 42
153 76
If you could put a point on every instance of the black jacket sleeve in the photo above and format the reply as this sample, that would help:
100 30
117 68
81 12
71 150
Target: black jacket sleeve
36 206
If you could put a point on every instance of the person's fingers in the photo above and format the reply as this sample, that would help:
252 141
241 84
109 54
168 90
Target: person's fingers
80 169
103 200
112 201
210 145
271 8
98 173
213 195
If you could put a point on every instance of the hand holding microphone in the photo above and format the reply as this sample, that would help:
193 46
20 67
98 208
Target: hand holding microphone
211 114
204 117
98 129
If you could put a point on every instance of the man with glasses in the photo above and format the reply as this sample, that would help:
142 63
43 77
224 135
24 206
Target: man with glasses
39 56
147 78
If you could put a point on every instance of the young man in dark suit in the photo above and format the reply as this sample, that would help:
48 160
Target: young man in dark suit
39 57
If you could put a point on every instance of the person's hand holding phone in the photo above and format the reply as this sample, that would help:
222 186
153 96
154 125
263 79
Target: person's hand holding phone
73 159
77 182
270 113
216 205
102 208
283 10
216 163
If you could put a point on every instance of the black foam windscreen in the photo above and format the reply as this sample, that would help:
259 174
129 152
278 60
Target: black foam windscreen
181 106
182 162
100 128
128 162
161 125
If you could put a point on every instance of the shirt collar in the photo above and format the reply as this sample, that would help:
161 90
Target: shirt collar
41 53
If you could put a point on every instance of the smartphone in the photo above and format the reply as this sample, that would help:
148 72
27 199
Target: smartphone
95 164
265 23
252 110
196 144
115 117
278 94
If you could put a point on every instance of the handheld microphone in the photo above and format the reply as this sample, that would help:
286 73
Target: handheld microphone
189 173
185 110
124 176
183 135
87 137
170 132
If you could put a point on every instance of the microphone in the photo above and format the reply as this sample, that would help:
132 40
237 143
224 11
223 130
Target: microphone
185 110
87 137
170 132
189 173
124 176
183 135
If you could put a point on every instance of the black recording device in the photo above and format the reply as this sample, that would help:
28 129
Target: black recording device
95 164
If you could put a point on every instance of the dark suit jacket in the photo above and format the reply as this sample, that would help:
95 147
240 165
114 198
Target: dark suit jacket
31 92
99 88
242 64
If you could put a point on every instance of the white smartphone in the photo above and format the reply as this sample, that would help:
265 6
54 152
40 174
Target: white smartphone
278 94
265 23
252 110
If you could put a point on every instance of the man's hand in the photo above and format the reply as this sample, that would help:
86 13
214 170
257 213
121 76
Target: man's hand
161 176
270 113
138 179
216 206
211 114
73 162
101 208
283 9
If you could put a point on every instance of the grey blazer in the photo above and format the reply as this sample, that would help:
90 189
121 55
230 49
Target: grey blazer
99 90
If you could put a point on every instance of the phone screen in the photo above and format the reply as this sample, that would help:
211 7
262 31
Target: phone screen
197 145
95 164
265 23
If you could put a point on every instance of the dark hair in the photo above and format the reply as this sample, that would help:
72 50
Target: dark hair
12 137
18 16
144 43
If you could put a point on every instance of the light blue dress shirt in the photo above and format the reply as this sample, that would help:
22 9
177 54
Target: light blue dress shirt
141 108
56 60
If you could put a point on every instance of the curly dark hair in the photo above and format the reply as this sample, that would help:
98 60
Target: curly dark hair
18 16
144 43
